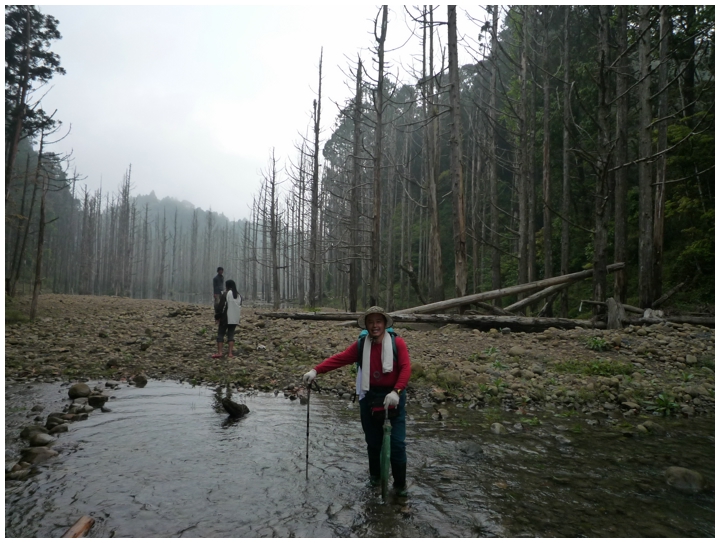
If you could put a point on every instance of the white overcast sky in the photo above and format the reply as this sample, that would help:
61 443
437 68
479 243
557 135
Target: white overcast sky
196 97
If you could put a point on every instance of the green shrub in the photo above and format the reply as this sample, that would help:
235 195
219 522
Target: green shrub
607 368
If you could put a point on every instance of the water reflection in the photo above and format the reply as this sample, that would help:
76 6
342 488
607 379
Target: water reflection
165 463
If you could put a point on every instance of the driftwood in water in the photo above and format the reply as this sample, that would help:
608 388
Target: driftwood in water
482 322
81 527
508 291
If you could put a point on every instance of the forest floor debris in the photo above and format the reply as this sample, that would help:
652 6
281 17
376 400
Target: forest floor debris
664 368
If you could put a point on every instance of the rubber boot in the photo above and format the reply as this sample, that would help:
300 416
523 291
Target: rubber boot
374 462
399 482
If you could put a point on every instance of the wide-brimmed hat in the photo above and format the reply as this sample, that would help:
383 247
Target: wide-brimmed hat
370 311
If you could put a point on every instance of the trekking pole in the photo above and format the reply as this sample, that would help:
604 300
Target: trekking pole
307 434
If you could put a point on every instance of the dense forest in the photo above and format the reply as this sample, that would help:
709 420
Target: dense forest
579 136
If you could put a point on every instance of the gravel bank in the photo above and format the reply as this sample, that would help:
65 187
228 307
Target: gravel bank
665 369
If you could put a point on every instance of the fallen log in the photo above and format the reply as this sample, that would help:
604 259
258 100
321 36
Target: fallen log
665 297
494 309
81 527
626 307
508 291
482 322
538 295
680 319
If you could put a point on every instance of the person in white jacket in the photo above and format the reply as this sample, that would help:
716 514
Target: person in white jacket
228 318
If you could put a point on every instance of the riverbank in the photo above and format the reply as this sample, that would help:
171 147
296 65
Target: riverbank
665 369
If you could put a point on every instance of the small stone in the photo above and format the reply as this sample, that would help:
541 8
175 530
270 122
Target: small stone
642 429
516 351
139 380
691 359
443 414
497 428
631 405
37 408
505 330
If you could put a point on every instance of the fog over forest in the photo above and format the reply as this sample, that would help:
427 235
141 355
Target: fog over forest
578 137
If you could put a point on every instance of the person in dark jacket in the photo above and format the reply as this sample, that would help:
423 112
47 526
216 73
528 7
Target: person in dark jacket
218 282
381 382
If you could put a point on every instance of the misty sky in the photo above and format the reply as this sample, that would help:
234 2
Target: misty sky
196 97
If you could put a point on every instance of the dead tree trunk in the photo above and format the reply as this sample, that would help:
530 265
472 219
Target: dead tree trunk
377 162
456 173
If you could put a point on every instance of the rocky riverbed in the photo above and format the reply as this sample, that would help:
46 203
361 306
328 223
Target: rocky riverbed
663 369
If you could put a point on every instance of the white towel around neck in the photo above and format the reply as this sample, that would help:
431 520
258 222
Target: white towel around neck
387 361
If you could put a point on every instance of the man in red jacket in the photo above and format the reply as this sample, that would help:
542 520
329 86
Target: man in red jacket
383 375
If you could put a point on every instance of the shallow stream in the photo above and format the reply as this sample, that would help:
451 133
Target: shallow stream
163 463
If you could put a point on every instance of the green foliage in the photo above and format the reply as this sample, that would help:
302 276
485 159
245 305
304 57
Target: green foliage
202 331
686 377
491 351
597 344
531 422
665 404
606 368
499 365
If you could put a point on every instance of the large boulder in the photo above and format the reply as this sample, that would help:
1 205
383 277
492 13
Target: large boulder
79 390
683 479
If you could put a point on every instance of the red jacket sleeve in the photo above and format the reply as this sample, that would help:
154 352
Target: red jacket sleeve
348 356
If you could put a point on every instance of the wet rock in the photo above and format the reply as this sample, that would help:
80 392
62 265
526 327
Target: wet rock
498 429
79 390
438 394
17 475
105 409
652 426
235 410
630 405
58 429
642 429
97 400
54 421
40 440
683 479
691 359
443 414
30 430
112 384
562 439
36 455
37 408
139 380
80 401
